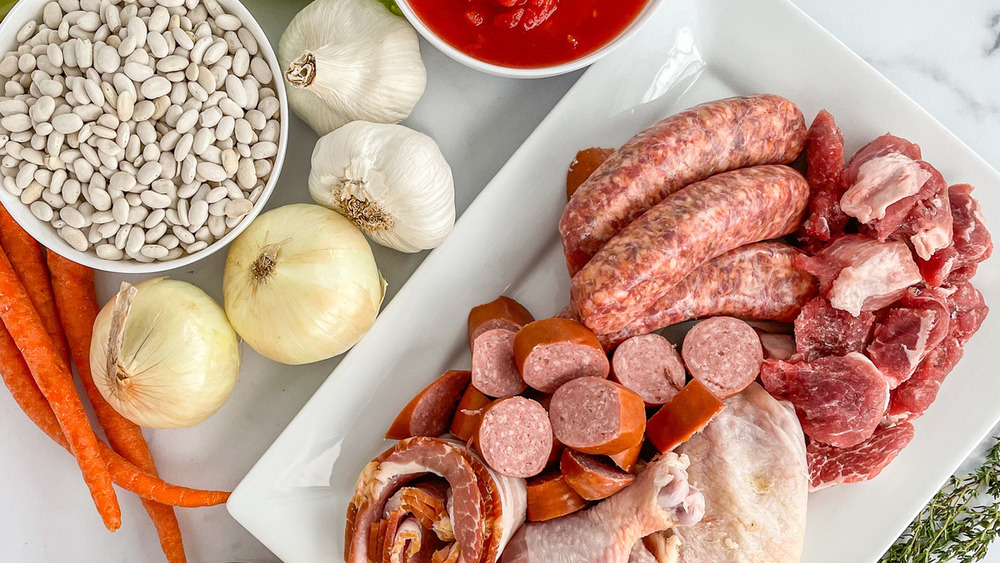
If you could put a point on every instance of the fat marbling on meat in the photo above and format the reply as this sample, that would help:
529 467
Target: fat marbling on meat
750 462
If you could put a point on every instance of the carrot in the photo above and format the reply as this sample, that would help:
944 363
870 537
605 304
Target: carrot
56 383
28 259
76 302
17 377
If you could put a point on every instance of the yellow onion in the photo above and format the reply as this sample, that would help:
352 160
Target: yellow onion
163 354
301 284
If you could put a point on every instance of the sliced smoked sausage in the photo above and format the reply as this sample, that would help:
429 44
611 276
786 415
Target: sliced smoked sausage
684 148
597 416
650 366
688 412
591 476
515 437
469 413
724 354
550 496
431 411
494 371
682 232
492 327
551 352
503 312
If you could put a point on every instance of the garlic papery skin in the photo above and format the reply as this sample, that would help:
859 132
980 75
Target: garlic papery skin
389 180
163 354
351 59
301 284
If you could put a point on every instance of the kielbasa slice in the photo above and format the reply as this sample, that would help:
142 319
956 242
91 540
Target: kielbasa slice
493 369
592 477
550 496
597 416
502 312
723 353
432 410
650 366
469 413
688 412
551 352
515 437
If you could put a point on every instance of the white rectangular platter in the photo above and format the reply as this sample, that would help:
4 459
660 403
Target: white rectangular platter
295 498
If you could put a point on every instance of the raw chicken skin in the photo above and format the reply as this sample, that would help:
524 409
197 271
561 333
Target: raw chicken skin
658 499
750 461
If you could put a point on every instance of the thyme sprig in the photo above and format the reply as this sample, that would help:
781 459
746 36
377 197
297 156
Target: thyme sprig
959 523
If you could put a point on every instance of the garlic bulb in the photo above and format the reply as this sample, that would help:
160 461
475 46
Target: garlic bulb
348 60
301 284
390 181
163 354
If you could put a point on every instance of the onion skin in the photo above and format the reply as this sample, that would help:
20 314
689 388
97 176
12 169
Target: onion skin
301 284
180 357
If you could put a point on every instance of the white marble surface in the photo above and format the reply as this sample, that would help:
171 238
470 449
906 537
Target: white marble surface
944 55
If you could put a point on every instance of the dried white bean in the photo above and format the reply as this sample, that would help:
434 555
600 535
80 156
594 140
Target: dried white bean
75 238
42 211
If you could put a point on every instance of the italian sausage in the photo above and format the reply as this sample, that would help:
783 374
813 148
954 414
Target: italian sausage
754 281
515 437
592 477
650 366
469 413
550 496
724 354
583 166
431 411
690 227
597 416
493 369
681 149
503 312
551 352
688 412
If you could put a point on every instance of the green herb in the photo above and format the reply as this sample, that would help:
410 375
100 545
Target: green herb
391 6
959 523
5 6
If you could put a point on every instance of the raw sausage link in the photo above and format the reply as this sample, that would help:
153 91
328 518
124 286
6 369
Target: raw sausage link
592 477
649 257
724 354
684 148
755 281
431 411
515 437
502 312
551 352
597 416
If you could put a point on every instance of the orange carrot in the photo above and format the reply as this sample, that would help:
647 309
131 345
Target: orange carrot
28 259
17 377
56 382
76 302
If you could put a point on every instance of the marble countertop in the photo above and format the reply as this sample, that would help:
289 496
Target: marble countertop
946 56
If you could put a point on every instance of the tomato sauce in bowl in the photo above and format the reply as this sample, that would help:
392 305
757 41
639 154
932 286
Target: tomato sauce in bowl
527 33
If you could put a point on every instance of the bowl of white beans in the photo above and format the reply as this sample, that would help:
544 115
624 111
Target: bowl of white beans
138 136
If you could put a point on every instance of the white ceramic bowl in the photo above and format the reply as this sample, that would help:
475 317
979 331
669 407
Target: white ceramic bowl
538 72
43 232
